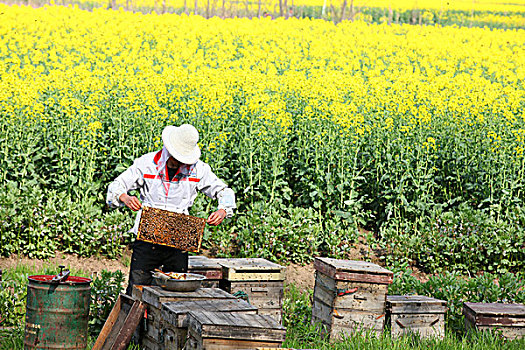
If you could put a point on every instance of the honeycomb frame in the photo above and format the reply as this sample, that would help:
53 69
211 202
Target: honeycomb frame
171 229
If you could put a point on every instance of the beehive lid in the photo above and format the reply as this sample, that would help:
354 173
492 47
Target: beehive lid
205 266
415 304
355 271
251 269
176 312
156 296
238 326
495 314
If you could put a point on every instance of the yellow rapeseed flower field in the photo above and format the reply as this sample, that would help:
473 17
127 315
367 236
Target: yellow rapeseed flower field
389 123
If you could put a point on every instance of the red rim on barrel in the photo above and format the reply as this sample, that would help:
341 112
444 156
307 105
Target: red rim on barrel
72 280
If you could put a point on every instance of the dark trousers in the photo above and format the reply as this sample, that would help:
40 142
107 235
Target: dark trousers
147 257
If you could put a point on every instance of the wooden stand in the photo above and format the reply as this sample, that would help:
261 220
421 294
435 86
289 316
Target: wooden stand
509 319
415 313
207 267
349 296
227 331
154 296
260 279
175 322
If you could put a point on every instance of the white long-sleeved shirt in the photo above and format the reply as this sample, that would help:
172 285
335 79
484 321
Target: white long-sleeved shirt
176 195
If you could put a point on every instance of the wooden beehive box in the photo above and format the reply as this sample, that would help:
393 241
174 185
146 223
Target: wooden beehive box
417 314
154 297
228 331
175 230
260 279
349 296
175 321
210 268
509 319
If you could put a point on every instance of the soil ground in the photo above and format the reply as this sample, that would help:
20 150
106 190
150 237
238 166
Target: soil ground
299 275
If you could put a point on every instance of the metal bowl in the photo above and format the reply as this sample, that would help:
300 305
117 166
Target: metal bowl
188 282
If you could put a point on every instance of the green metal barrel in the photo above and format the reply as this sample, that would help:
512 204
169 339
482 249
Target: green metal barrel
57 313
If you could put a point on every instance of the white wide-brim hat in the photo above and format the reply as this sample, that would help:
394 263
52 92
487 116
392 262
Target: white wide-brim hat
181 143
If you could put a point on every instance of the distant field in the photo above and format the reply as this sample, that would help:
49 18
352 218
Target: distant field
416 133
477 13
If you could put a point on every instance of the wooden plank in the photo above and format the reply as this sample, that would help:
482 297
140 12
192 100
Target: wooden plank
321 312
225 320
414 304
121 324
338 332
223 344
340 265
210 268
348 318
324 289
176 312
150 344
253 276
427 325
156 296
350 295
112 337
276 314
133 318
264 294
353 276
251 269
250 264
136 292
496 309
507 332
108 325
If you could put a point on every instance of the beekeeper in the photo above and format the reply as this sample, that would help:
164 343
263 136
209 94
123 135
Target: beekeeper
168 179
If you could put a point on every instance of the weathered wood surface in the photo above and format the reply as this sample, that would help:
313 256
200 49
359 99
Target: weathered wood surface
136 292
263 294
156 296
251 269
150 344
507 332
414 304
350 270
176 313
509 319
350 295
427 325
357 319
235 326
495 314
276 314
228 344
496 309
109 324
120 325
210 268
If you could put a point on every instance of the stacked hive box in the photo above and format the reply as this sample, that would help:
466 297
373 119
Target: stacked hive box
209 268
154 297
349 296
174 317
227 331
509 319
416 313
261 281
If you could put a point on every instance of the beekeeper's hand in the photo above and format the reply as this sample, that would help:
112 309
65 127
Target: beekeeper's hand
216 217
131 202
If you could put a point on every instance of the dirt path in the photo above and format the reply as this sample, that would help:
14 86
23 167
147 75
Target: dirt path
301 276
